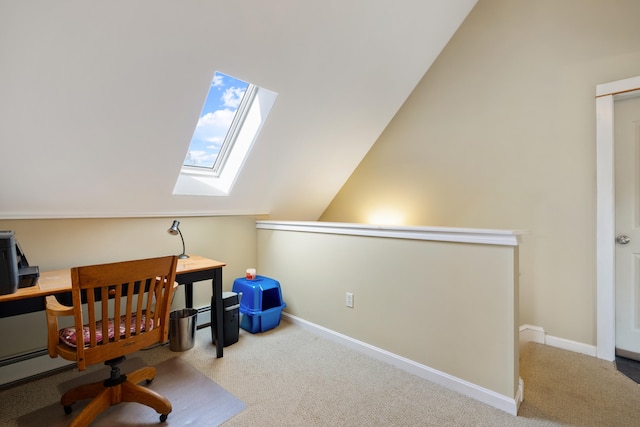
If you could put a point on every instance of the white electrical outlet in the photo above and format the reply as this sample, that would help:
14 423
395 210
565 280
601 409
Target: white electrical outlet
349 300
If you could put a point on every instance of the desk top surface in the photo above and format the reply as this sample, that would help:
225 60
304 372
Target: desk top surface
57 281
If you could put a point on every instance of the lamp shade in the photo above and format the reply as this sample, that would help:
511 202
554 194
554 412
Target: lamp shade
174 230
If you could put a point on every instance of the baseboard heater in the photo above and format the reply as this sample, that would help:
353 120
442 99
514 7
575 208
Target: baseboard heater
204 317
36 364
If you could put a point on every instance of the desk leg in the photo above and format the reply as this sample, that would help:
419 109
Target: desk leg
217 294
188 295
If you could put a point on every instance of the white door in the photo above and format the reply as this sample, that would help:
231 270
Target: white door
627 218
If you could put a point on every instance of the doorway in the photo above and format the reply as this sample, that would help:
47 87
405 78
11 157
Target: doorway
606 95
627 215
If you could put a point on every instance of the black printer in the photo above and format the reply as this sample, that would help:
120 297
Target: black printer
15 271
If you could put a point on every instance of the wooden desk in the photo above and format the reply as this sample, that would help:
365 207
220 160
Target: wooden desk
190 270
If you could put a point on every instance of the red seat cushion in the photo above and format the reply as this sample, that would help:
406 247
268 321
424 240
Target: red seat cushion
69 336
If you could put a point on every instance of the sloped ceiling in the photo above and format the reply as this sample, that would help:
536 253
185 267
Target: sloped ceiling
98 100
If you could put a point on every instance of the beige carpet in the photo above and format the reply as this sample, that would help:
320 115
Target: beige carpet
290 377
573 389
196 400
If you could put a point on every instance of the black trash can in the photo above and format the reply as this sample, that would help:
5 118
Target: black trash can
230 318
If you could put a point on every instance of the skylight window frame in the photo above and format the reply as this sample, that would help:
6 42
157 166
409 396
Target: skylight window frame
234 129
200 180
230 138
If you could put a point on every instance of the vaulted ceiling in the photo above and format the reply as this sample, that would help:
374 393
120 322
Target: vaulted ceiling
98 100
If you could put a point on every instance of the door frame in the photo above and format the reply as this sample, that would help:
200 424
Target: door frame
606 95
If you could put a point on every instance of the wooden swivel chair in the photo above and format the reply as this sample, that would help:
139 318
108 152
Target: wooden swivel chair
126 309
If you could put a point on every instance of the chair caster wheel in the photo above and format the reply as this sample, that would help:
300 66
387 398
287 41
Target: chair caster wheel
163 417
67 410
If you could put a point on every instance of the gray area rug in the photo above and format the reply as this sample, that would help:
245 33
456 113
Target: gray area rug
196 400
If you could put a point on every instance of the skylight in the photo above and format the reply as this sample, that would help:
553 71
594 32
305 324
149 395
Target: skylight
221 116
229 123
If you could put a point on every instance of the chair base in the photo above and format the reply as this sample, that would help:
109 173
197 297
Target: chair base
118 388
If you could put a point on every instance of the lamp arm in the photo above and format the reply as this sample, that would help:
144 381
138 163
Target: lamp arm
184 255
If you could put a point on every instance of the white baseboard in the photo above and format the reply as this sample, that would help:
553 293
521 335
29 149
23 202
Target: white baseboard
529 333
499 401
38 364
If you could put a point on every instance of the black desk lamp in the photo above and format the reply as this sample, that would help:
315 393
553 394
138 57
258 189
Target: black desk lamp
175 229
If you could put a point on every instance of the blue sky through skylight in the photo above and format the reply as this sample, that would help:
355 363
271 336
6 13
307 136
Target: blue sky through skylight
223 99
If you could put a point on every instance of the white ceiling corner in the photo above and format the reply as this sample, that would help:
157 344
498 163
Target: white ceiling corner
98 100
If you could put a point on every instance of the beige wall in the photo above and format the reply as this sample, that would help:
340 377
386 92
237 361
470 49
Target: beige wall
500 133
63 243
449 306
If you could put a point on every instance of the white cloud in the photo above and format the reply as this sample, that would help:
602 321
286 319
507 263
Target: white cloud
217 80
198 157
232 97
212 127
217 119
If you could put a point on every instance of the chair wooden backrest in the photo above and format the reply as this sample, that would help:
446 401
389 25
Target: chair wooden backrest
127 308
